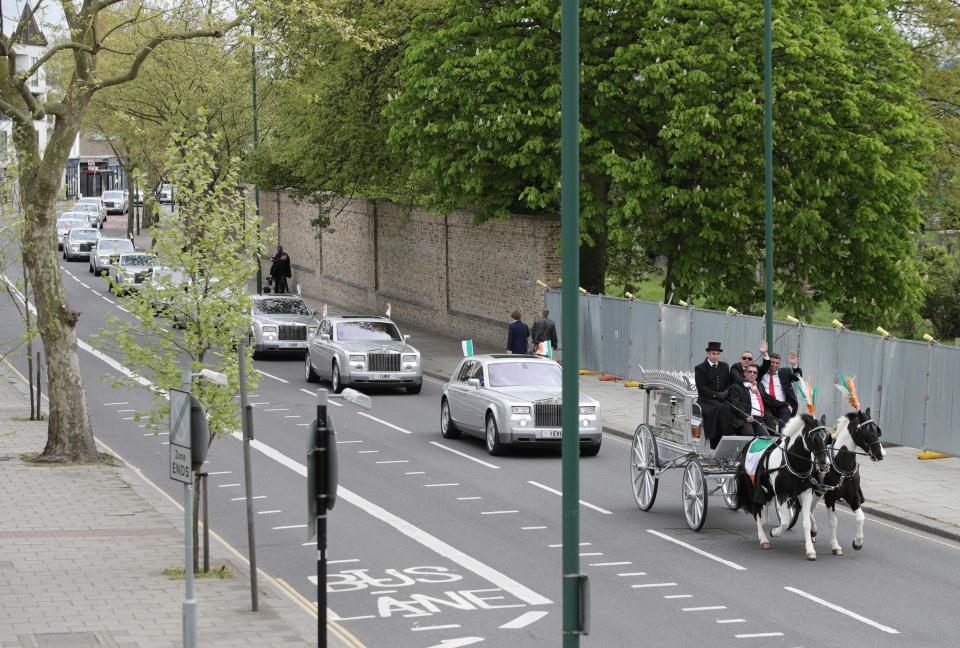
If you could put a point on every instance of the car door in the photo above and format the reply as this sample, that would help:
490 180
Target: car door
477 398
321 350
456 391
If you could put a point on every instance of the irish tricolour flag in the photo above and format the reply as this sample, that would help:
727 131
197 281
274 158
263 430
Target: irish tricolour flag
467 346
545 349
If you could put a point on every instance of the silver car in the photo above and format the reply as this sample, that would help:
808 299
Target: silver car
361 350
93 209
66 222
513 400
107 252
131 270
115 201
80 241
281 323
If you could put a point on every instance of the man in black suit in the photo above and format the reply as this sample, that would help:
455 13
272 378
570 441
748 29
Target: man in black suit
713 380
778 383
752 408
544 330
746 360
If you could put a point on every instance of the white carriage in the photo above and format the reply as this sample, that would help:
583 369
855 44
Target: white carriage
671 437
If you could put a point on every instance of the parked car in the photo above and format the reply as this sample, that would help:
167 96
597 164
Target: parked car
115 202
513 400
80 240
96 212
361 350
281 323
107 252
131 270
165 193
66 222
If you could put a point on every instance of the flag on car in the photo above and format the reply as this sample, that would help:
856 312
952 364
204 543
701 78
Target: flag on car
545 349
388 309
467 346
324 310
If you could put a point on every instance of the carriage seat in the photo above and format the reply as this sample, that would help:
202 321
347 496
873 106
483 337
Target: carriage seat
730 447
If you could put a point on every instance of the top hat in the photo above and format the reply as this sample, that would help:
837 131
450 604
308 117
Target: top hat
713 346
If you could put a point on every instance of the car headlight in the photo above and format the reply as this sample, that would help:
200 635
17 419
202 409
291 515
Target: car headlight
358 358
410 358
269 328
523 410
587 409
74 246
311 331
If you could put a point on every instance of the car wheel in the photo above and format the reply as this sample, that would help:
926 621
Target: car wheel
494 447
335 385
448 429
590 451
308 371
414 389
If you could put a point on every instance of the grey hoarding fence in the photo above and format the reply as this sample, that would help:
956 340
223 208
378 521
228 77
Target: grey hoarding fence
908 385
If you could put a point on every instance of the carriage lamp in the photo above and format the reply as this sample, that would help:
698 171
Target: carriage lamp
695 423
673 406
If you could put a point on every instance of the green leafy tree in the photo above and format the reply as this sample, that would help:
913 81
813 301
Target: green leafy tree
942 299
193 318
40 174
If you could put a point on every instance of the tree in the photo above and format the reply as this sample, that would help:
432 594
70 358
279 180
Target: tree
69 433
192 316
942 300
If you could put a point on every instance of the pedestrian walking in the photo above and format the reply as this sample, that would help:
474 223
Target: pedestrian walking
517 335
280 270
544 330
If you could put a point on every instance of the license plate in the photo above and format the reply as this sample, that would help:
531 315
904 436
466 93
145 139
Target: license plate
289 345
551 434
383 376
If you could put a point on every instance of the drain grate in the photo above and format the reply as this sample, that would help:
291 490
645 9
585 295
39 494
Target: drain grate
68 640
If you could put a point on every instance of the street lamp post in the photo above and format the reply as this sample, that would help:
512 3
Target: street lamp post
768 155
256 134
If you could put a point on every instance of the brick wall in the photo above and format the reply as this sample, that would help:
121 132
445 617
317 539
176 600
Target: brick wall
440 272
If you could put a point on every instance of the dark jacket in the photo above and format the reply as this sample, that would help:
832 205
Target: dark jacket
281 266
788 376
742 405
712 385
736 370
544 329
517 335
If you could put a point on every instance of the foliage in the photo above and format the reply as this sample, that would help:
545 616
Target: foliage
210 241
942 300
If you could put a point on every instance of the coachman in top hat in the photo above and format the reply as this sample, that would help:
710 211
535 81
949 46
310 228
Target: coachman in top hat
713 379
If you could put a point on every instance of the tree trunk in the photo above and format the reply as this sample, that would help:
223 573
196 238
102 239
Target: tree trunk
131 207
69 433
593 257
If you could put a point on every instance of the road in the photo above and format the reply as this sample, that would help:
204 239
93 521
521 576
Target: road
433 543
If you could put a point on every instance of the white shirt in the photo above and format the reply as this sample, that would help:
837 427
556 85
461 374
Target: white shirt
754 399
777 387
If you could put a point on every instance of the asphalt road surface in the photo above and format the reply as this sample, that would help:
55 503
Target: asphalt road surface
433 543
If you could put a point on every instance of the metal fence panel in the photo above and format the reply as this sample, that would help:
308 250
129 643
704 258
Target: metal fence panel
943 408
904 385
860 356
818 359
616 336
591 327
644 337
786 338
674 338
708 326
743 333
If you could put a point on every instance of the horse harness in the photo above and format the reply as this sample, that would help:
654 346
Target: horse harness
808 476
849 474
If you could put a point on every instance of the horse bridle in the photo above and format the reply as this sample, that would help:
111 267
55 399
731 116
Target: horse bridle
856 432
822 429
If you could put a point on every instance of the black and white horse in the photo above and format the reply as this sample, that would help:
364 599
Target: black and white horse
842 481
789 469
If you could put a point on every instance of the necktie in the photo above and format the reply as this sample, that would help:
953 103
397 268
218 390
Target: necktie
773 392
756 393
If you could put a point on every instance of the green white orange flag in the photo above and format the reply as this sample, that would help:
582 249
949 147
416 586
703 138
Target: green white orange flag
545 349
467 346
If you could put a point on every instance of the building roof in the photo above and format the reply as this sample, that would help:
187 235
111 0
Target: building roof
31 35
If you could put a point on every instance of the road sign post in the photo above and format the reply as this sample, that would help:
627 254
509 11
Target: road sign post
246 411
321 497
181 469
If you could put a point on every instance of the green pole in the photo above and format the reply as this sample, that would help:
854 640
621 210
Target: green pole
768 154
256 138
570 246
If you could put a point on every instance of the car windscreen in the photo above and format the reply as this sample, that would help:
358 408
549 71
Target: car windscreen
112 246
347 331
114 195
138 260
69 223
524 374
83 235
85 207
272 306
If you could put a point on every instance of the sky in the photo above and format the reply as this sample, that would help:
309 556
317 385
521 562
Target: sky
50 17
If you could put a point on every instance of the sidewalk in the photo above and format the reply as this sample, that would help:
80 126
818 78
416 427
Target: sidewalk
901 488
82 554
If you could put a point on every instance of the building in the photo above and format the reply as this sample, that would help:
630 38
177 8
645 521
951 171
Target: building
93 167
28 49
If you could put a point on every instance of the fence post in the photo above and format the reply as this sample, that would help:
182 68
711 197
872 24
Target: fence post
660 336
690 336
39 389
879 387
926 398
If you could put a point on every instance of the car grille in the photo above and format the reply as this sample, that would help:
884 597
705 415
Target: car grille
109 204
293 332
383 362
86 247
546 415
140 277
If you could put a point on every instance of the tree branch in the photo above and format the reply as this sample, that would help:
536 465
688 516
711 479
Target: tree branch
49 54
142 55
11 112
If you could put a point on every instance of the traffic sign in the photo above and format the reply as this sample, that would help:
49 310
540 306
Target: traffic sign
180 455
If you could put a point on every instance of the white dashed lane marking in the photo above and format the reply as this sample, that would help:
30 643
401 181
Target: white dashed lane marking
582 503
698 550
382 422
648 585
842 610
465 455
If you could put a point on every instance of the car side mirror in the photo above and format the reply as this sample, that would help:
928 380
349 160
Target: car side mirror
406 338
474 382
324 337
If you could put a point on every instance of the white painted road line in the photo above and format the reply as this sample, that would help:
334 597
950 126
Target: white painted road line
394 461
127 418
524 620
277 409
627 574
556 546
731 620
698 550
314 394
221 472
646 585
465 455
367 451
498 512
125 410
123 309
582 503
594 553
387 423
357 618
758 635
278 378
415 472
841 610
111 404
292 416
704 608
228 485
440 485
292 526
678 596
612 564
84 285
465 561
475 497
449 626
240 499
269 512
344 442
344 560
532 528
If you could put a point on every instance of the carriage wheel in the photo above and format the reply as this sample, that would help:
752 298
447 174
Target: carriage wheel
694 491
643 467
728 490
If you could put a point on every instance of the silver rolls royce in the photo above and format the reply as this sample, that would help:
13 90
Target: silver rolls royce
513 400
281 323
362 350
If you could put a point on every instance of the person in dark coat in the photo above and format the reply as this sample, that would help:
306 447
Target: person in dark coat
753 409
544 330
713 380
746 360
778 383
517 335
280 270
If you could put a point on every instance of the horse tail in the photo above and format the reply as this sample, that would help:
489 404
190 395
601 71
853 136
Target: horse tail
745 486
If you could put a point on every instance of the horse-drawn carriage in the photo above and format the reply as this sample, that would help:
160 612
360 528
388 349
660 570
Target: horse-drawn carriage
671 437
